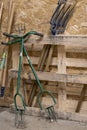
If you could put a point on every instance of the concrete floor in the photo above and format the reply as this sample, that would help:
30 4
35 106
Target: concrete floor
37 123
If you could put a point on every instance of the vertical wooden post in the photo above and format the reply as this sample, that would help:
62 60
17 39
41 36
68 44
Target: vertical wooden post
62 70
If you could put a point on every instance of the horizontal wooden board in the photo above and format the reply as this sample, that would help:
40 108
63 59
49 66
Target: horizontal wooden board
54 77
38 48
76 40
70 62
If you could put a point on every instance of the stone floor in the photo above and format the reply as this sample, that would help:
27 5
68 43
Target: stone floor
7 120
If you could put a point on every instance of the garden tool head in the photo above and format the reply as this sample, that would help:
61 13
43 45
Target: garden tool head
20 119
20 28
20 110
49 109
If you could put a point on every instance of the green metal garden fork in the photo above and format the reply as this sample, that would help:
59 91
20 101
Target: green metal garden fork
21 39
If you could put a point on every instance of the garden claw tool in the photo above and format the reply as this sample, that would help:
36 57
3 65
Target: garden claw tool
51 113
21 39
49 109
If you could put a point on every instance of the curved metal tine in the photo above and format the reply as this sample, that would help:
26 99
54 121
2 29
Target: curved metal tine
57 17
66 18
56 12
19 119
60 28
65 24
51 114
60 15
54 16
20 28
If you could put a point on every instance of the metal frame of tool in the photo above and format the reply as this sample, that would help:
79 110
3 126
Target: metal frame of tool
20 39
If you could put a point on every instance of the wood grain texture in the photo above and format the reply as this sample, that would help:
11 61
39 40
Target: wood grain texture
61 62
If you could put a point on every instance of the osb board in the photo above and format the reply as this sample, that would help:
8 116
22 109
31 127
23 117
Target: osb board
37 14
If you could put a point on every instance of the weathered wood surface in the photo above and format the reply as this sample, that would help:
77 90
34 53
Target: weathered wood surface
54 77
37 48
70 62
75 40
1 10
61 65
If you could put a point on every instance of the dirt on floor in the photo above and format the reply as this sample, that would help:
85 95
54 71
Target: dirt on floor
7 120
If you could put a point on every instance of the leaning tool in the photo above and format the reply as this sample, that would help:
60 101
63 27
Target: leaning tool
61 17
21 39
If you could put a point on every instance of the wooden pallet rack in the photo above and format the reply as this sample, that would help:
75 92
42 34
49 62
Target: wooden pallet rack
66 53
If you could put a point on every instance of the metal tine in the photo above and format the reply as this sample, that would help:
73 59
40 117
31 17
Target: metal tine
52 114
24 27
65 19
15 29
61 15
70 11
20 28
54 26
57 29
56 13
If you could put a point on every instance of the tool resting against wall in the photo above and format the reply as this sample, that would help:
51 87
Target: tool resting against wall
61 16
20 39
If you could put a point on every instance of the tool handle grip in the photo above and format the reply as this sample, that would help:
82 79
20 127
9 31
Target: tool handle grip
7 35
39 34
4 43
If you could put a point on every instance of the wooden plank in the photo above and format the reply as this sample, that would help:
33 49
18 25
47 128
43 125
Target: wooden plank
46 52
82 96
76 49
70 62
76 62
61 85
60 115
15 56
49 58
41 57
75 40
54 77
1 10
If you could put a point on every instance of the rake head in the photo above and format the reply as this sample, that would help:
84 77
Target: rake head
20 28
